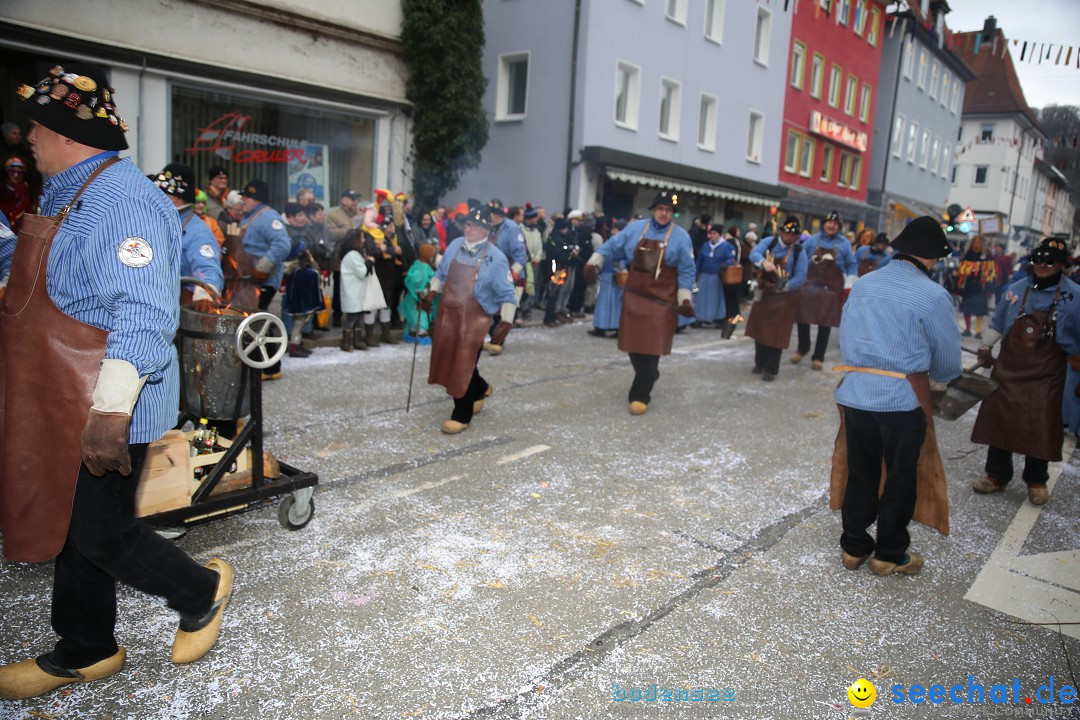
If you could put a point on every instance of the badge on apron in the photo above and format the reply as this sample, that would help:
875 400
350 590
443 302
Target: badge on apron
135 252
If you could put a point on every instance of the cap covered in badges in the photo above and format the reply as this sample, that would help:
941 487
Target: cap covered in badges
1050 251
791 225
924 238
478 216
666 197
178 180
496 207
257 190
834 216
77 103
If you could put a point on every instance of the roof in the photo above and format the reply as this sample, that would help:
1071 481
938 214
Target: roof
996 87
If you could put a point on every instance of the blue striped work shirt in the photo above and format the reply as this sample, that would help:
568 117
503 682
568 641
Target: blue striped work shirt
138 306
897 319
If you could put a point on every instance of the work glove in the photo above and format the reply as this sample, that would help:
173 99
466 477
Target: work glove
104 443
590 273
985 357
498 335
686 309
427 299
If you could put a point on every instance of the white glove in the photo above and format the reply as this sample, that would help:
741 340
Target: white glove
990 338
849 280
595 259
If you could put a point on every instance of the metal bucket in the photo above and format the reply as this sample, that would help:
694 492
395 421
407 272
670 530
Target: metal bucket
963 394
213 380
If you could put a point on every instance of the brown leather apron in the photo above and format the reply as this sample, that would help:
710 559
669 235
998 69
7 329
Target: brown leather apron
931 490
773 314
1024 414
460 327
241 289
649 316
867 265
49 363
821 298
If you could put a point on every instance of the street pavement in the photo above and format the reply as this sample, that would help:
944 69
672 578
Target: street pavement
560 555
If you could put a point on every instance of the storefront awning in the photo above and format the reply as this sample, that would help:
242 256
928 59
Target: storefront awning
639 178
911 210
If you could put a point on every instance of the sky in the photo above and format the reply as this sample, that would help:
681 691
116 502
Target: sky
1040 21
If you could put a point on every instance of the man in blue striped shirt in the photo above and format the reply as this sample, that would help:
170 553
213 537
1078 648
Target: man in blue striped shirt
897 327
114 265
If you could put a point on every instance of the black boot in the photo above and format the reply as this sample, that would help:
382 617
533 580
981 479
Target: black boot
369 336
298 351
347 340
728 331
386 337
358 341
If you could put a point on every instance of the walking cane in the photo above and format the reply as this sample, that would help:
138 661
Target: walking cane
416 344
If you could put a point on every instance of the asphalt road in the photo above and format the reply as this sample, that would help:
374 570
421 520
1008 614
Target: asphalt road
560 554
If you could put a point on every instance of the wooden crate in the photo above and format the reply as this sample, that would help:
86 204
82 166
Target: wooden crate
168 478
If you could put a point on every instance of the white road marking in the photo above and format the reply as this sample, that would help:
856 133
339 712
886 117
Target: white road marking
702 346
1040 587
535 449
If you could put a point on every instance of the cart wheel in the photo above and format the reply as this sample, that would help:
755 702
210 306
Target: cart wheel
293 516
261 340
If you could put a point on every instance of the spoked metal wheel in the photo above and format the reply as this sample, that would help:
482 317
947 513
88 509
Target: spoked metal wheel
261 340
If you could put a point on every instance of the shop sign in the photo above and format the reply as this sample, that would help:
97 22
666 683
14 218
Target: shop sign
222 136
841 133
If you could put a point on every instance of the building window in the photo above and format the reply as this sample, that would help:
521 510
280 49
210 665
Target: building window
798 63
755 138
826 163
909 57
953 174
845 169
875 23
843 9
946 154
835 77
762 36
714 20
986 133
627 94
980 174
817 73
791 151
923 66
856 173
924 149
676 11
513 86
806 156
945 78
935 76
935 154
706 139
849 95
864 103
898 137
955 97
670 101
860 17
960 133
912 140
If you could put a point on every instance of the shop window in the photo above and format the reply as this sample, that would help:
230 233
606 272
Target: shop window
512 88
290 146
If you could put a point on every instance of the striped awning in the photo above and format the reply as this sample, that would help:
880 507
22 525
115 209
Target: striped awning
657 181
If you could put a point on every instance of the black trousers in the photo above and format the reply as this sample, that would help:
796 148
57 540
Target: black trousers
335 303
463 406
266 296
646 371
896 438
106 544
731 300
820 346
999 465
767 358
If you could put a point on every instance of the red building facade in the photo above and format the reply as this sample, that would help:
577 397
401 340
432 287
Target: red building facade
833 66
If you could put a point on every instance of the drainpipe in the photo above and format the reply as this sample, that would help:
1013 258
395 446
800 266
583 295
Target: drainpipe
573 104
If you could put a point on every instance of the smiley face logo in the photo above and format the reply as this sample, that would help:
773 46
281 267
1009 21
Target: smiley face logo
862 693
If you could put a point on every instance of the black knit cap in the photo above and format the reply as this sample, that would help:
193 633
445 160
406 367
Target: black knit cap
76 102
257 190
666 197
1051 251
791 225
924 238
215 171
478 216
177 179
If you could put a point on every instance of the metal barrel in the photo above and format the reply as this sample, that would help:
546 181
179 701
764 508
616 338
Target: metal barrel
213 380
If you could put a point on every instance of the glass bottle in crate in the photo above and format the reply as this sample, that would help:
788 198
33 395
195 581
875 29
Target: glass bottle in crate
199 439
